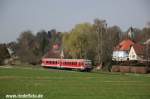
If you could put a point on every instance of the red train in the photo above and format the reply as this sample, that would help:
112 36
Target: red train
78 64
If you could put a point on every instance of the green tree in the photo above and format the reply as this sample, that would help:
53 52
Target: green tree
3 53
92 41
54 37
76 42
146 33
42 40
114 33
107 38
100 28
146 40
27 47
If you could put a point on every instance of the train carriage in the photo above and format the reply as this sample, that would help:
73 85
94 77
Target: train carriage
80 64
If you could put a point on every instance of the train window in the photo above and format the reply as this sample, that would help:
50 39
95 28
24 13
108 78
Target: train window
74 63
67 63
80 63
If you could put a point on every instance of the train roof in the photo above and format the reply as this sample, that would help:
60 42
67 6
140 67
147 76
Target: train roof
66 59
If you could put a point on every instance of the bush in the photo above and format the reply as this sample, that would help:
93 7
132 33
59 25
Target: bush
3 53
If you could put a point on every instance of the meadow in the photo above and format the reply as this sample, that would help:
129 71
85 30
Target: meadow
64 84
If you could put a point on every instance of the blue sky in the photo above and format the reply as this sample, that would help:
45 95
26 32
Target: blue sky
35 15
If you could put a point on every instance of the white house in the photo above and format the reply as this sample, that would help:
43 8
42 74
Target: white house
121 51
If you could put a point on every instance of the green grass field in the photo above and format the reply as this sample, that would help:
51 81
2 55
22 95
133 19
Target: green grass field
62 84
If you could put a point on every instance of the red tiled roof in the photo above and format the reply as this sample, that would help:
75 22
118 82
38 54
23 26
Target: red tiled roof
139 49
124 45
52 54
